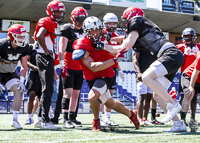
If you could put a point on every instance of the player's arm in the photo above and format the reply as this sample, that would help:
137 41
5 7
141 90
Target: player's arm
31 66
135 58
23 68
127 43
62 47
95 66
41 39
194 77
117 39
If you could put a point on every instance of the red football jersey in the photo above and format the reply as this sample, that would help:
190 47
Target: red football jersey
189 54
70 63
48 24
194 65
96 55
111 43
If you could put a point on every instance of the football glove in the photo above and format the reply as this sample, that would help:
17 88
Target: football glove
21 87
120 56
64 72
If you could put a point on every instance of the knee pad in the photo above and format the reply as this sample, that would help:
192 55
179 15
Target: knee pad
105 96
100 86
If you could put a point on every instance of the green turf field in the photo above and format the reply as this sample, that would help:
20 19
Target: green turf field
124 133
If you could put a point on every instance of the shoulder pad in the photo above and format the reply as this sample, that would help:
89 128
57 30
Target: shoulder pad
65 26
180 45
77 54
3 42
83 43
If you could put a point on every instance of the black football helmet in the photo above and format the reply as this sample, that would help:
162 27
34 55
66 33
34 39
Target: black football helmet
188 36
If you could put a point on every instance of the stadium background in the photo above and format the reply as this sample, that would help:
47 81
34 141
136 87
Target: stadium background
172 16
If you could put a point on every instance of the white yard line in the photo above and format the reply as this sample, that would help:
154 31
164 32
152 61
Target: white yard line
115 137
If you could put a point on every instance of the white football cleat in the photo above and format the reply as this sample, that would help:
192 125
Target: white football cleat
49 126
178 126
172 110
103 124
146 122
15 124
37 124
141 122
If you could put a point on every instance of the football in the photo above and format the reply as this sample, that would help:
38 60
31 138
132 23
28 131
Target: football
77 54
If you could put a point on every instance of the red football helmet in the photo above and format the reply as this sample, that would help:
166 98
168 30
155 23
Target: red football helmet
78 15
17 34
54 6
131 12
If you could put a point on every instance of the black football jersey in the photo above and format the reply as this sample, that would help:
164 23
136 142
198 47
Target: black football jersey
150 35
10 56
145 59
71 33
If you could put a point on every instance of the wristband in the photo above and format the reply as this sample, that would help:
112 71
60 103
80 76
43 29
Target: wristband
21 79
62 63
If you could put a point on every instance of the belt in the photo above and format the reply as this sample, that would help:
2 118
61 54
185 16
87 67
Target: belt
164 47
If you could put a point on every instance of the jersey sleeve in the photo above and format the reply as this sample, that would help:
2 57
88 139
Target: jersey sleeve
181 47
65 31
197 64
135 24
2 44
27 50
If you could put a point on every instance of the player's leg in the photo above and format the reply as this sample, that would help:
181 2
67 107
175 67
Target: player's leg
159 76
78 81
146 109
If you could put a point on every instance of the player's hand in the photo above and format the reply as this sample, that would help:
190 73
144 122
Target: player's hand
21 87
98 45
121 75
120 56
108 36
139 76
189 91
64 72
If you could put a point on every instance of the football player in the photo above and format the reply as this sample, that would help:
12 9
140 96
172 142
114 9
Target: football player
45 36
98 72
190 82
189 48
141 32
14 49
110 22
72 83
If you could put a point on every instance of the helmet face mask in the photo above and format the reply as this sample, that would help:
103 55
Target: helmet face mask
17 34
189 36
56 10
93 28
110 22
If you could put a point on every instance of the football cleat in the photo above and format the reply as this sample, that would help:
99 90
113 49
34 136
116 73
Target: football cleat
49 125
134 119
68 124
76 124
111 123
146 122
156 122
96 126
172 110
178 126
15 124
103 124
37 124
141 122
29 121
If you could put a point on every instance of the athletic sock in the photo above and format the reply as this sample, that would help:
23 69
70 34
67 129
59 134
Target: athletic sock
30 116
15 115
153 114
100 115
65 106
183 115
72 116
107 116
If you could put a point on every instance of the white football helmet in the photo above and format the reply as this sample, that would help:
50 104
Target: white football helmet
110 18
92 23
